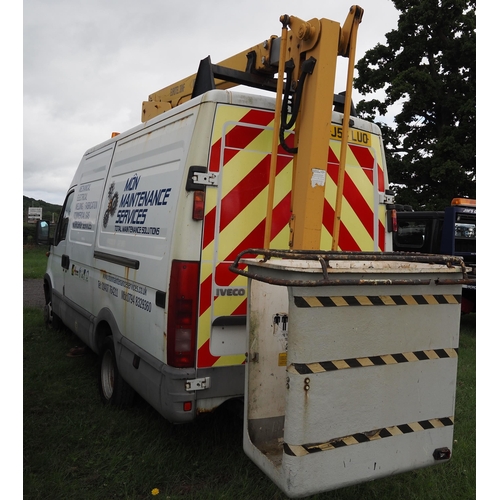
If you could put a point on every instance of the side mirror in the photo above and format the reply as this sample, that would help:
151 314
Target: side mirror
42 232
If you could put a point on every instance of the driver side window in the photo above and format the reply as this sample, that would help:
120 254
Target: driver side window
62 226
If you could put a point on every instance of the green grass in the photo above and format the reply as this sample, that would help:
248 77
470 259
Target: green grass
34 262
75 448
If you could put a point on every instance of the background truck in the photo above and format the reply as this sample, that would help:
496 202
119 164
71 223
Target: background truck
451 231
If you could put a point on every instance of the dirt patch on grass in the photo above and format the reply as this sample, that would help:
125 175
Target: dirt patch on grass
33 293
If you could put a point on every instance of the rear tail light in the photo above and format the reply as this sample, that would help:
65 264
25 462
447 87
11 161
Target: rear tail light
182 313
198 205
394 221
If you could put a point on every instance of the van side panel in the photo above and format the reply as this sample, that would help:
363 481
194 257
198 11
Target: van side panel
133 248
80 277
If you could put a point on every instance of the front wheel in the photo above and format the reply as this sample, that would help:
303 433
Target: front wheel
51 319
112 388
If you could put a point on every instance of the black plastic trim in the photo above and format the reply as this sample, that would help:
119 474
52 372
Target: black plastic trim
117 259
230 321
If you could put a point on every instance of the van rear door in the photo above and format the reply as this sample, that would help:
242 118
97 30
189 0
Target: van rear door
363 216
235 212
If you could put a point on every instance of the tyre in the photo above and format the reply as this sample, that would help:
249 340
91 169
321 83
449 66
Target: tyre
51 319
112 388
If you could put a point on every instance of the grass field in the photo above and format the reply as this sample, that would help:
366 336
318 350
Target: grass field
34 262
75 448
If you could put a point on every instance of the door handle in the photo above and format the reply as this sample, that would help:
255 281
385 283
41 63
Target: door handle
65 261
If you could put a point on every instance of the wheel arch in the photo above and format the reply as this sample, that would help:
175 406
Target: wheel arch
51 319
105 326
47 287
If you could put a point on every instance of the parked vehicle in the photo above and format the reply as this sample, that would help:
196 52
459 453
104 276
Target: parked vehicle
144 269
451 231
154 217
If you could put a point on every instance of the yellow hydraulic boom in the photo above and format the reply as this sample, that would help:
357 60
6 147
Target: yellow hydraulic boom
253 67
313 47
305 58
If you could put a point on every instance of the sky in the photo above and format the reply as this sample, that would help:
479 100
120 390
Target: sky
88 66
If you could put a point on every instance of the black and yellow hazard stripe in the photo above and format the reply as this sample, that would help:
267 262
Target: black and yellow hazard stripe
381 360
376 300
365 437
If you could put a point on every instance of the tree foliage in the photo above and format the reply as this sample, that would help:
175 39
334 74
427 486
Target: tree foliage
50 211
427 70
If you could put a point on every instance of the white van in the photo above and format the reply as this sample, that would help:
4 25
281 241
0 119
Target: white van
154 217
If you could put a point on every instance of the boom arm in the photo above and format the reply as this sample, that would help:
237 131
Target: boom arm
312 48
305 58
255 66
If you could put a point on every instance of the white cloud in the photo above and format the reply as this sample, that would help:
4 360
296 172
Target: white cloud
89 65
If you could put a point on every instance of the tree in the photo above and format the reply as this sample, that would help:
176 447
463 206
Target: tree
427 68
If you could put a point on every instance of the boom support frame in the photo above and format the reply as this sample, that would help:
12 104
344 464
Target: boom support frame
305 58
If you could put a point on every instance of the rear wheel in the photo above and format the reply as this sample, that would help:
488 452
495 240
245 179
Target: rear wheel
112 388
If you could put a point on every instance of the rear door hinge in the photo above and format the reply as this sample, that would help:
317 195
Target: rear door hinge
198 384
198 178
205 178
386 198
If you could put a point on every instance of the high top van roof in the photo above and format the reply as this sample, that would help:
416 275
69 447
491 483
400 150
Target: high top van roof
237 99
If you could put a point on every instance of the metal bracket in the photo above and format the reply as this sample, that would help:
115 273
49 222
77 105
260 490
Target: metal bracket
386 198
198 178
205 179
198 384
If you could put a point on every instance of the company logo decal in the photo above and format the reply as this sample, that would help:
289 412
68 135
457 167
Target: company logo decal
112 204
81 272
133 207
